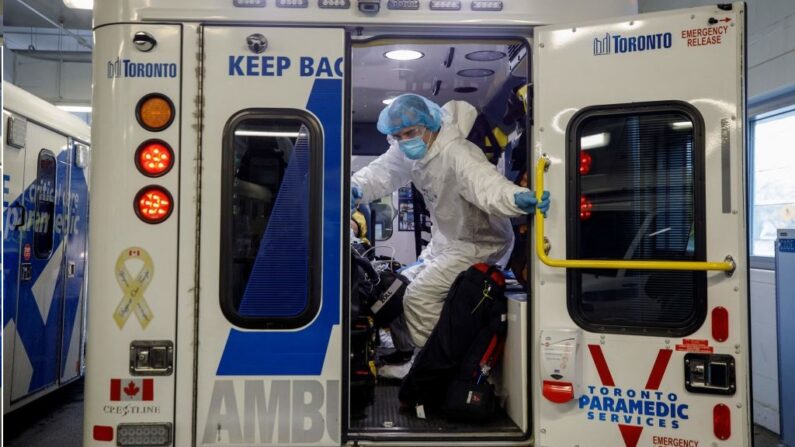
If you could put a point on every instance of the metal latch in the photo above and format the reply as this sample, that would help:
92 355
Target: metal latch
151 358
710 374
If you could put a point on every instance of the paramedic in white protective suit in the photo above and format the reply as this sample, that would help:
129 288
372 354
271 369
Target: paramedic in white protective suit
470 202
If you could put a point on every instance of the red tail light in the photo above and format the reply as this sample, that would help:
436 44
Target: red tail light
153 204
154 158
585 162
585 208
720 324
103 433
722 421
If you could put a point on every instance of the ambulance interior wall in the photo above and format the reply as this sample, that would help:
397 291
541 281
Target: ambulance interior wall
771 76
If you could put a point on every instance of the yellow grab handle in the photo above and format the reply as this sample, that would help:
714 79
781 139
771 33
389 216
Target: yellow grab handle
726 265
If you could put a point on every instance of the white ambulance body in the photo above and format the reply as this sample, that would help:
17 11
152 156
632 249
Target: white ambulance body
218 123
45 223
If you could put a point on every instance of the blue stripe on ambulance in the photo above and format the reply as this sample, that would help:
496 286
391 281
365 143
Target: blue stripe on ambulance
19 301
302 352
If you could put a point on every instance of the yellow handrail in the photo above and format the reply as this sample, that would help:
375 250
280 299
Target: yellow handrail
541 251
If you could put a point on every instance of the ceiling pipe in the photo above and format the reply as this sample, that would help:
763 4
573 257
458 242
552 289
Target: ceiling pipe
76 37
57 56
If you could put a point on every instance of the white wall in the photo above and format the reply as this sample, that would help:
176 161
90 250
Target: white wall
764 349
771 72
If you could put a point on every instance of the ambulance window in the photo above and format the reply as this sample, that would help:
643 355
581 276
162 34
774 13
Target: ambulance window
384 215
637 176
270 219
44 216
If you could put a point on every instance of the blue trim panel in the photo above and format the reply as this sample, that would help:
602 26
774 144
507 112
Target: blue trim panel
40 335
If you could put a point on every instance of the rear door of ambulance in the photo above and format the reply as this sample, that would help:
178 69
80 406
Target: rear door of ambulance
642 121
270 341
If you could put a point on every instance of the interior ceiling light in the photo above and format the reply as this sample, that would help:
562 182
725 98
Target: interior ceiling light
476 72
79 4
485 55
465 89
388 101
594 141
265 133
681 125
403 55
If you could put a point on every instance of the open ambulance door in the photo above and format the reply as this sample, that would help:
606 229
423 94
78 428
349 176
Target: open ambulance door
640 280
269 366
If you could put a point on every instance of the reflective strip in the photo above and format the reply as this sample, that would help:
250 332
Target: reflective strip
725 165
390 292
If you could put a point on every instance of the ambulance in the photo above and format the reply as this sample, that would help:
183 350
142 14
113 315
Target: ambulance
46 156
225 133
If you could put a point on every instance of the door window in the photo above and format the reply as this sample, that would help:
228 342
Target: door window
637 177
45 205
270 229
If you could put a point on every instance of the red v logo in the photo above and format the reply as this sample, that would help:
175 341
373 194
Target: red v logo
631 433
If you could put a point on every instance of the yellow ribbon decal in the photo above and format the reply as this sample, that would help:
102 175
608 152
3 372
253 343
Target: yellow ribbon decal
133 288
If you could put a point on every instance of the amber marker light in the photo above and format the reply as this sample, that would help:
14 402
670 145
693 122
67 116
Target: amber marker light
154 112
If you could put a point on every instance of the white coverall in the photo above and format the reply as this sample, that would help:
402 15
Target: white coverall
470 204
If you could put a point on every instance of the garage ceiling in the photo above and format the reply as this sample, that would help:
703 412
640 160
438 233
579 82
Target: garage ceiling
16 14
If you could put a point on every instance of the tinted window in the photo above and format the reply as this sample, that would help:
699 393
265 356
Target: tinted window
45 205
638 196
268 242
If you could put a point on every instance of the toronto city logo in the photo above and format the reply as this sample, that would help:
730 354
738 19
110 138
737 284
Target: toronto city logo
126 68
616 43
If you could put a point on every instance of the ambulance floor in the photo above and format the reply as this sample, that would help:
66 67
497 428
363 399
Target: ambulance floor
383 416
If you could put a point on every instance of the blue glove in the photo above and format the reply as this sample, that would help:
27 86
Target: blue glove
356 194
526 201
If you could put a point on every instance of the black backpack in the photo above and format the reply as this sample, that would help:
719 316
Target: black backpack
474 313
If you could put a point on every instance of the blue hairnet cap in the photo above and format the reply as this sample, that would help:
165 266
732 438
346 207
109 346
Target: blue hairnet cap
409 110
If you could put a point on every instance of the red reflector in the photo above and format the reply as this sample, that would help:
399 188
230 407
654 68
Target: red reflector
558 392
585 163
154 158
103 433
722 421
720 323
153 204
585 208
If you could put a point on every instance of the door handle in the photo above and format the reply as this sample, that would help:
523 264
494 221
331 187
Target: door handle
543 246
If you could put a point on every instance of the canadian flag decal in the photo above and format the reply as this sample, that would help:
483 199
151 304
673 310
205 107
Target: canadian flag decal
132 389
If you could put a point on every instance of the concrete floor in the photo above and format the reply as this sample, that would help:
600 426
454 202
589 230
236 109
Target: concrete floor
57 420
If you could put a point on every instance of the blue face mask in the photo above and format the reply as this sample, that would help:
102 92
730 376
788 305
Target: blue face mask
414 148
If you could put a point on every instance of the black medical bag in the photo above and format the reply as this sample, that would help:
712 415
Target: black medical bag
474 313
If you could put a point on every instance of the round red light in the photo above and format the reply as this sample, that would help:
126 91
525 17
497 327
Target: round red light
153 204
585 208
585 163
154 158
